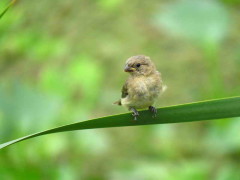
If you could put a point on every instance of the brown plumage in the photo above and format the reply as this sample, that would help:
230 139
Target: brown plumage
143 86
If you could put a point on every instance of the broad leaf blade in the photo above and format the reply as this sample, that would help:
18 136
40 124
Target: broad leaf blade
206 110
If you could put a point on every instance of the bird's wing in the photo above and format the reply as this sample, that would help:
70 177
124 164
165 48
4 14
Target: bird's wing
124 90
124 94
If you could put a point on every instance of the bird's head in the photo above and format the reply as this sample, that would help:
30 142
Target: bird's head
139 65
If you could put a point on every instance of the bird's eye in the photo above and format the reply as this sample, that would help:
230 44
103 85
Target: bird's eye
138 65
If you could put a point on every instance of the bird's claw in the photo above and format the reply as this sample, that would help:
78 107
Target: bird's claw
153 110
135 113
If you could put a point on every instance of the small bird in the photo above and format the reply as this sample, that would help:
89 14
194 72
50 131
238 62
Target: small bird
142 87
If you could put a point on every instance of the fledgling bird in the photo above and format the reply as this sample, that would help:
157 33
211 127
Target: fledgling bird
142 87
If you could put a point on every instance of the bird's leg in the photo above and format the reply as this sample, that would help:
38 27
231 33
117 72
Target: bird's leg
135 113
153 110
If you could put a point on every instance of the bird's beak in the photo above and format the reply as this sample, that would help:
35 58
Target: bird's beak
129 69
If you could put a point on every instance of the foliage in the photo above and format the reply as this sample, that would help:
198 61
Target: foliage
6 9
62 62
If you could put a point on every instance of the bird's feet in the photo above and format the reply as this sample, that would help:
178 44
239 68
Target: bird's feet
153 110
135 113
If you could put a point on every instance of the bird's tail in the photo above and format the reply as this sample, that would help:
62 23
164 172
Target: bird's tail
118 102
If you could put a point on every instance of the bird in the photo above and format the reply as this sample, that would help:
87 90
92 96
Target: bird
143 86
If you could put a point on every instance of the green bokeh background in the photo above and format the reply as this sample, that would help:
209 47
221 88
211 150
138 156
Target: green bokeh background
62 62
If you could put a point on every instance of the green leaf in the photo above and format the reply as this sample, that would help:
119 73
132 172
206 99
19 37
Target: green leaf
6 9
206 110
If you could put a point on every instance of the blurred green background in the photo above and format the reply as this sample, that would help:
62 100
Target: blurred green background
62 62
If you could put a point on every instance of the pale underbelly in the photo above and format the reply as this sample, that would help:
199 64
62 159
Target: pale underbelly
138 102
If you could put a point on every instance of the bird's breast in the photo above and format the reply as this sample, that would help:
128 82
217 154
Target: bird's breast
142 90
145 89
